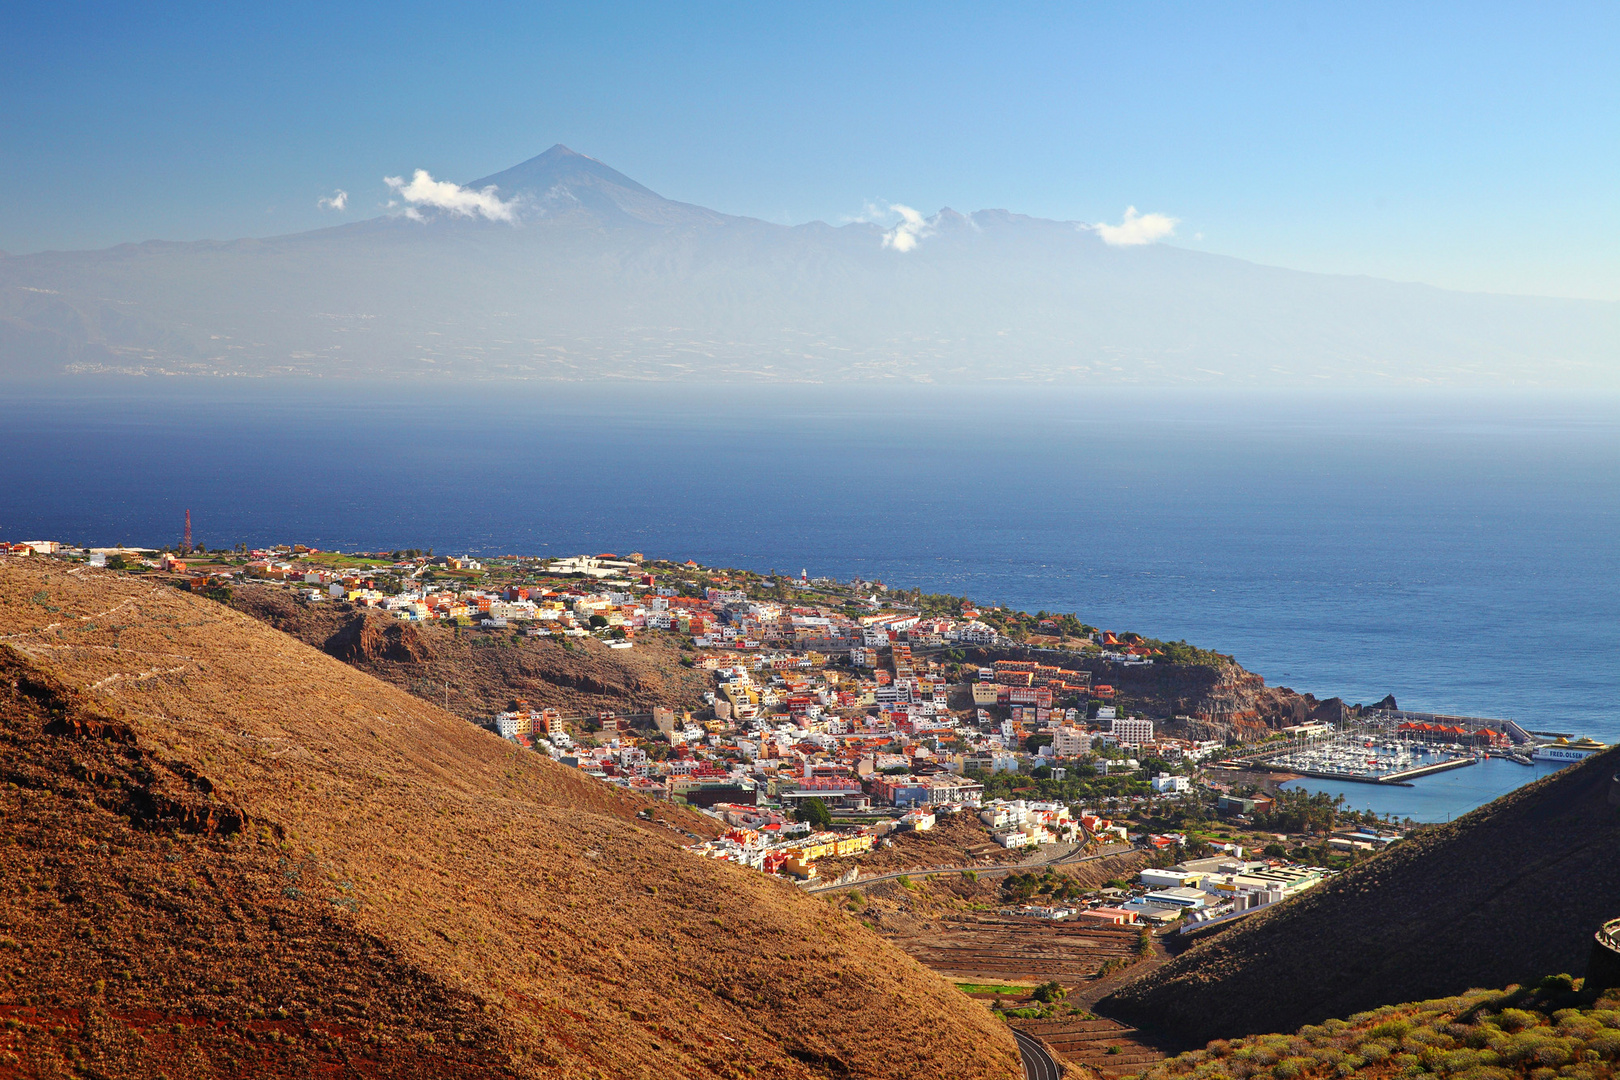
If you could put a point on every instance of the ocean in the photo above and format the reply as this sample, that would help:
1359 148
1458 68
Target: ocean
1458 551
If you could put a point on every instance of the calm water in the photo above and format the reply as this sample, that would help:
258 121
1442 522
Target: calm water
1440 797
1458 552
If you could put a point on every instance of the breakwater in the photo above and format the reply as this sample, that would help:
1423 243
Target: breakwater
1395 779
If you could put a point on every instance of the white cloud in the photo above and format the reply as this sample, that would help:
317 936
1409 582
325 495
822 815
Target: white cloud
337 202
912 228
423 190
1137 229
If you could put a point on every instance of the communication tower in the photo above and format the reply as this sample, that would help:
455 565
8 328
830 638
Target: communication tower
185 545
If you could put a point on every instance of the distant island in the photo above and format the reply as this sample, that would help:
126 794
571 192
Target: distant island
564 269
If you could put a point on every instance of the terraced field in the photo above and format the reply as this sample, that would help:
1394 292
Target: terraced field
1111 1048
990 948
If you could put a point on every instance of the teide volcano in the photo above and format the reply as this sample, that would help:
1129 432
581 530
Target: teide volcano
588 274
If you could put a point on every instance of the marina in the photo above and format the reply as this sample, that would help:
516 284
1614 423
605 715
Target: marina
1395 748
1367 761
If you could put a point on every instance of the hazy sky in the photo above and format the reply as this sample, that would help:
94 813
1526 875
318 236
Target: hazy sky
1467 145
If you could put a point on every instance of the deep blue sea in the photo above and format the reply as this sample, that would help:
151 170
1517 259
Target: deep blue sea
1460 552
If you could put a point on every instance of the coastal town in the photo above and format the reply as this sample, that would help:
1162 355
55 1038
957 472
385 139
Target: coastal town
841 719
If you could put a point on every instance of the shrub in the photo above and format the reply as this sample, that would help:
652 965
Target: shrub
1575 1026
1390 1029
1050 992
1457 1061
1516 1019
1552 1054
1420 1037
1485 1072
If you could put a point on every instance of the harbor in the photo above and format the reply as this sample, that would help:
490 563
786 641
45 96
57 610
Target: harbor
1420 766
1394 748
1362 761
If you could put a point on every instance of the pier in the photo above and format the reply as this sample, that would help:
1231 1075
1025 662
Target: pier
1367 757
1401 778
1425 770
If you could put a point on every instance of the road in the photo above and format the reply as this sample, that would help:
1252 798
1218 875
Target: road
981 869
1039 1064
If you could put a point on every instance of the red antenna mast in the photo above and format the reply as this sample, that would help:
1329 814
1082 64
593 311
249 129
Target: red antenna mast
185 547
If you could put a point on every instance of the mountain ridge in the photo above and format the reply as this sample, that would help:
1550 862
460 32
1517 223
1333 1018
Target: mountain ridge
595 276
228 854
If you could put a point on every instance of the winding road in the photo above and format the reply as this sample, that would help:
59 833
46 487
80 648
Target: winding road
1039 1064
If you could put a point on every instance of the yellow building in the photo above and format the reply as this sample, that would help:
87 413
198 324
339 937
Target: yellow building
800 867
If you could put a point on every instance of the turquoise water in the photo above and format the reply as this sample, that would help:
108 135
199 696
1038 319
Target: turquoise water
1438 797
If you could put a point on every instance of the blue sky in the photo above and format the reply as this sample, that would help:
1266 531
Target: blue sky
1471 146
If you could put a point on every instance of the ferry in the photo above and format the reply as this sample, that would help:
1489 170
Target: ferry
1564 750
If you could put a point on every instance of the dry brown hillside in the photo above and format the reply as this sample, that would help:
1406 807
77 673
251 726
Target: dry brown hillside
228 854
476 674
1505 894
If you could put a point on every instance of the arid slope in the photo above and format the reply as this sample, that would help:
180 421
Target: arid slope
477 673
227 854
1503 895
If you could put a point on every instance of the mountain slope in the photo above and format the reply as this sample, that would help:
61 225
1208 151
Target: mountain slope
227 854
561 181
1481 1035
596 276
476 683
1505 894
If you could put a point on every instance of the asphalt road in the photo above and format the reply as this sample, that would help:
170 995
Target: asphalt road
1039 1064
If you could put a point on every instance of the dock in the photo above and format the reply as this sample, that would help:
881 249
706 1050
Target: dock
1400 778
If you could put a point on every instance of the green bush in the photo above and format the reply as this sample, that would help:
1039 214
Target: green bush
1525 1033
1050 992
1516 1019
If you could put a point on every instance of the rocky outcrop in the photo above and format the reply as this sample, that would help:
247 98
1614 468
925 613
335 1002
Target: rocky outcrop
477 674
1219 700
368 637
